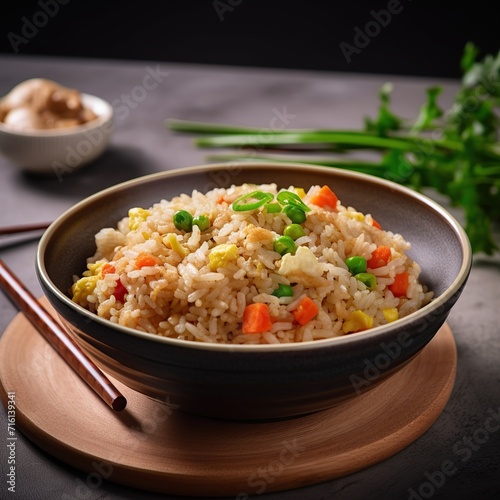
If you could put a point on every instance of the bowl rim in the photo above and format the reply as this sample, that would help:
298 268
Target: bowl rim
354 338
92 101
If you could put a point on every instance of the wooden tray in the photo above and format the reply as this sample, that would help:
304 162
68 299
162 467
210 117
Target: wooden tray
153 447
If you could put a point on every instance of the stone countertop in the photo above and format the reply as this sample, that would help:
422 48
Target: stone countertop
143 95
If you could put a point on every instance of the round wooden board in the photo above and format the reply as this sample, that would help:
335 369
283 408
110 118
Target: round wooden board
154 447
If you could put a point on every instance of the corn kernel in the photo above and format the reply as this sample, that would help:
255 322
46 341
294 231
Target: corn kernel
390 314
221 255
357 321
300 192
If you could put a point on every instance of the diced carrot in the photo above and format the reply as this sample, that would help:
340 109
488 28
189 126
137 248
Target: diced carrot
256 318
120 291
380 257
145 259
325 198
400 286
305 312
221 200
376 224
107 268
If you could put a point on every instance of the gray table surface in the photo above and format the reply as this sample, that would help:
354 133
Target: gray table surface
465 434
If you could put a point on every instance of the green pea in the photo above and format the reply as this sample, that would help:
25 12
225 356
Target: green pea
356 264
295 213
368 279
183 220
273 208
283 291
284 245
295 231
202 221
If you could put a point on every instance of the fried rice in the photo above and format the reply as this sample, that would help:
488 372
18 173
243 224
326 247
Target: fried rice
196 283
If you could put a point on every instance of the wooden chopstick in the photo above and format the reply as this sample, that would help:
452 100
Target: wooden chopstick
24 228
60 340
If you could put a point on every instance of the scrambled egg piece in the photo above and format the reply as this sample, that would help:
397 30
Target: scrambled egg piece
355 215
136 216
221 255
170 240
85 286
303 267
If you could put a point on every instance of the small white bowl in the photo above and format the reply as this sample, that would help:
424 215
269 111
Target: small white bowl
60 151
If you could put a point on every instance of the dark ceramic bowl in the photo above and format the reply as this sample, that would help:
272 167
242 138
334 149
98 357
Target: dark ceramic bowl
261 381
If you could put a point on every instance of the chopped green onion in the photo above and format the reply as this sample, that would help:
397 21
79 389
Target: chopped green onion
289 198
295 213
294 231
183 220
283 291
251 201
368 279
356 264
202 221
284 245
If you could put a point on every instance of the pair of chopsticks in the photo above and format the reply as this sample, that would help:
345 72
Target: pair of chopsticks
23 228
54 334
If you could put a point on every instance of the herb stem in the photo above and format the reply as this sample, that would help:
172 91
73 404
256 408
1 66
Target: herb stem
323 140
